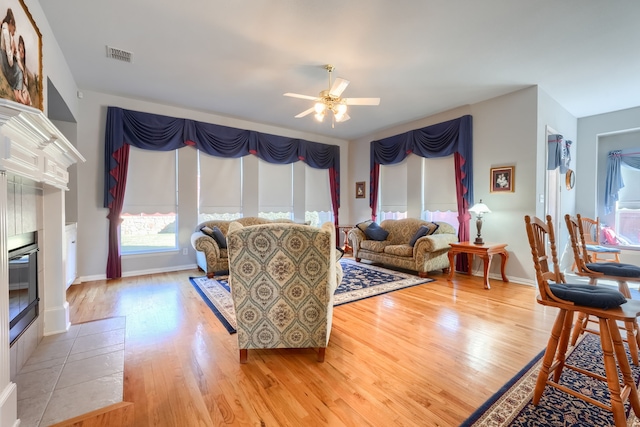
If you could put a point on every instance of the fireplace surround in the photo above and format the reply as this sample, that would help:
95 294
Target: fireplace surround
32 148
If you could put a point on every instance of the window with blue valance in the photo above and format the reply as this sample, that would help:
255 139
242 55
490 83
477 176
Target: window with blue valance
125 128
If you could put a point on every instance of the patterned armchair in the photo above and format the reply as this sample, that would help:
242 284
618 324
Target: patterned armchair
282 279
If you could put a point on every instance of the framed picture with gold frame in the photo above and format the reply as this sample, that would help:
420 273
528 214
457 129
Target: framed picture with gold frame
503 179
21 63
361 191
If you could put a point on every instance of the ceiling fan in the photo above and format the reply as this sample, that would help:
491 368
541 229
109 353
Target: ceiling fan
330 100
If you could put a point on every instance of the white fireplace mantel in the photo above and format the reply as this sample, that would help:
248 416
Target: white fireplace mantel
32 147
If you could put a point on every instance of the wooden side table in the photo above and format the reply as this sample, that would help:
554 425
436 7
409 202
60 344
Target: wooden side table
486 252
345 229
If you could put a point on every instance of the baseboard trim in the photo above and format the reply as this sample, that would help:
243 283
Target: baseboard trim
93 278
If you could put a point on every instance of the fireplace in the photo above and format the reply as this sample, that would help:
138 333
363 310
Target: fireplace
23 283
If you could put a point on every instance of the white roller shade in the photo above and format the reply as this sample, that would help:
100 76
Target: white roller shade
393 187
275 187
151 182
220 184
317 190
439 178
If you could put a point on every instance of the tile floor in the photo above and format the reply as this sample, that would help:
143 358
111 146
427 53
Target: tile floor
73 373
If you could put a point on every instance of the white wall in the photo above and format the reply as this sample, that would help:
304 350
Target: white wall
505 134
92 222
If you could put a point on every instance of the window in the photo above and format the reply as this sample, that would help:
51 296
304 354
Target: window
275 190
628 208
621 226
439 200
393 191
219 188
150 202
317 203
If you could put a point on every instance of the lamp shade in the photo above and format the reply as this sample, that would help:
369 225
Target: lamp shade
480 208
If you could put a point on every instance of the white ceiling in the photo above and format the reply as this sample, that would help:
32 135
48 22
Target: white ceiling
237 58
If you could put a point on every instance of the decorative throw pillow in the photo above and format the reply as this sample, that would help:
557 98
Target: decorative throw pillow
363 225
216 234
207 230
424 230
339 253
375 232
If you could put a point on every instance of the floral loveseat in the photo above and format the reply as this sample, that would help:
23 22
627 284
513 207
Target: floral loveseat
283 278
210 256
428 253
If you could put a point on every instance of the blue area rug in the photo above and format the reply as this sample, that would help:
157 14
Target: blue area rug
360 281
511 405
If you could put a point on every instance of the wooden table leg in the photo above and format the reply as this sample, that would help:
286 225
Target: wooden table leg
451 254
505 257
487 265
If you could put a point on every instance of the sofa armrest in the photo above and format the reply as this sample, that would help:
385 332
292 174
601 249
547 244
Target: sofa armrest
428 247
434 242
207 244
356 236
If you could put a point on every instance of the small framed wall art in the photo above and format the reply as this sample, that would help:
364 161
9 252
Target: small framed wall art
503 179
360 190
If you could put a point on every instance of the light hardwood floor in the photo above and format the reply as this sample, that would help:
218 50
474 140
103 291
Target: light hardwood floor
423 356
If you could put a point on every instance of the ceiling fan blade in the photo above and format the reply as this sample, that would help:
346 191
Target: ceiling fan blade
339 85
297 95
362 101
305 112
343 118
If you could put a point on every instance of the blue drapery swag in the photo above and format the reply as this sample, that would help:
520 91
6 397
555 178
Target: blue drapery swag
559 153
162 133
631 158
439 140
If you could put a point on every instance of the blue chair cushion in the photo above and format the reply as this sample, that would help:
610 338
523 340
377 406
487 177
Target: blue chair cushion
588 295
615 269
599 248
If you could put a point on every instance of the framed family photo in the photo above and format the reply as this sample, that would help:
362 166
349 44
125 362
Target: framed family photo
360 190
503 179
20 55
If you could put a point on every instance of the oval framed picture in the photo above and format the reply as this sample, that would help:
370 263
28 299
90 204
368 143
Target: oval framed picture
570 179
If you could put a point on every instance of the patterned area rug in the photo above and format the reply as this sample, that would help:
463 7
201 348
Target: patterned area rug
360 281
511 405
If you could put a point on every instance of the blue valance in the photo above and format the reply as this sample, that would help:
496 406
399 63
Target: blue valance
162 133
559 153
614 182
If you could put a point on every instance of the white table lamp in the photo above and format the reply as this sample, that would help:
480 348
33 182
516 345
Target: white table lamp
479 209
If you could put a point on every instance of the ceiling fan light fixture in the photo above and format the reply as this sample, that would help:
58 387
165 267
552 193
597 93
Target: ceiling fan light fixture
331 102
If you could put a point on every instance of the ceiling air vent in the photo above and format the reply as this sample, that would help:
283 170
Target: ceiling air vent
119 54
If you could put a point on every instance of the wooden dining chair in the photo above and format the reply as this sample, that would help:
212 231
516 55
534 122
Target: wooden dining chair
596 251
606 304
616 271
581 258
